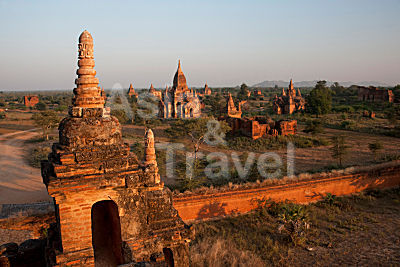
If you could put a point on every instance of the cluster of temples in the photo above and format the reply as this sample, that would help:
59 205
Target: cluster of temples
290 101
178 101
255 127
111 207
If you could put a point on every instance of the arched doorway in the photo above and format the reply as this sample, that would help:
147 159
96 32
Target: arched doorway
169 257
191 113
106 234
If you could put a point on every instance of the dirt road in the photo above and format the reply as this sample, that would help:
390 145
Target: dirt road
19 182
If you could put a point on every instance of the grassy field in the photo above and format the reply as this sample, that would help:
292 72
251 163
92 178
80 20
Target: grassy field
353 230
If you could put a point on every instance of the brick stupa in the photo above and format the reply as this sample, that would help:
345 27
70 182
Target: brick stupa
131 91
111 208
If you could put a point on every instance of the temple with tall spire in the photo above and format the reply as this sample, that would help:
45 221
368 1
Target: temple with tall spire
111 207
179 101
290 101
131 91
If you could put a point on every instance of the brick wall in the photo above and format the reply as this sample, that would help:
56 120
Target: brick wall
203 206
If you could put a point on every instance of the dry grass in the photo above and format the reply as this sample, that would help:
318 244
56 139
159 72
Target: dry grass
220 252
353 230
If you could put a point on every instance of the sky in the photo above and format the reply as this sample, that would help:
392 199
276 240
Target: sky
223 43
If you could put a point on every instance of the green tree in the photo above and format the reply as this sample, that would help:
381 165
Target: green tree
120 114
189 180
216 103
339 148
314 127
41 106
319 101
242 95
375 148
393 114
337 88
47 120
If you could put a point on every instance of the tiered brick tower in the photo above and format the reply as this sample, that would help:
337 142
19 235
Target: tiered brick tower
111 208
231 109
131 91
179 83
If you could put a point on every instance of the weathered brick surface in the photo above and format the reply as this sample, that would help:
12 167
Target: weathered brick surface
257 126
373 94
179 101
31 100
89 165
289 102
223 202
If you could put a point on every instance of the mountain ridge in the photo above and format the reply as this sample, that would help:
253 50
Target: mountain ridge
281 83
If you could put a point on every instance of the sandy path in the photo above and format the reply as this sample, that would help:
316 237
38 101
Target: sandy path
19 182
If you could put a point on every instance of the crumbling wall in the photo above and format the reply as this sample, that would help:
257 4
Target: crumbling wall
205 204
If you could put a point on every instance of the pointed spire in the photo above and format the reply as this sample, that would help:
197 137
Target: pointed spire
291 85
149 150
87 93
283 92
152 88
131 91
150 156
231 104
298 92
179 83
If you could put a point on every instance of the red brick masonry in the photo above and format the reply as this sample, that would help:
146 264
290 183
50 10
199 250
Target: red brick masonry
203 206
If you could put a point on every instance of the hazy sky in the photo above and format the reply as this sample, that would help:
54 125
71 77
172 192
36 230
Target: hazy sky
221 42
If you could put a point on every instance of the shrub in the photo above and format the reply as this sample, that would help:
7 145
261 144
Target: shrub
314 127
265 143
343 108
348 124
293 218
375 148
120 114
37 155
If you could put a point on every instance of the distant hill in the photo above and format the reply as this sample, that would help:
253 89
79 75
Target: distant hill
281 83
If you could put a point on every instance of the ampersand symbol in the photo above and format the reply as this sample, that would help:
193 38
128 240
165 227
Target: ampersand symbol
213 137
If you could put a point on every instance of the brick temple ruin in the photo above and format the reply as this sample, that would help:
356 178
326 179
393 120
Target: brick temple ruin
179 101
373 94
257 126
206 91
131 91
31 100
290 101
111 207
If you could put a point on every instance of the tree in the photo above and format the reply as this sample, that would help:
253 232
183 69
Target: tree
314 127
47 120
120 114
216 103
337 88
244 89
319 101
196 129
393 114
339 148
189 180
41 106
375 147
